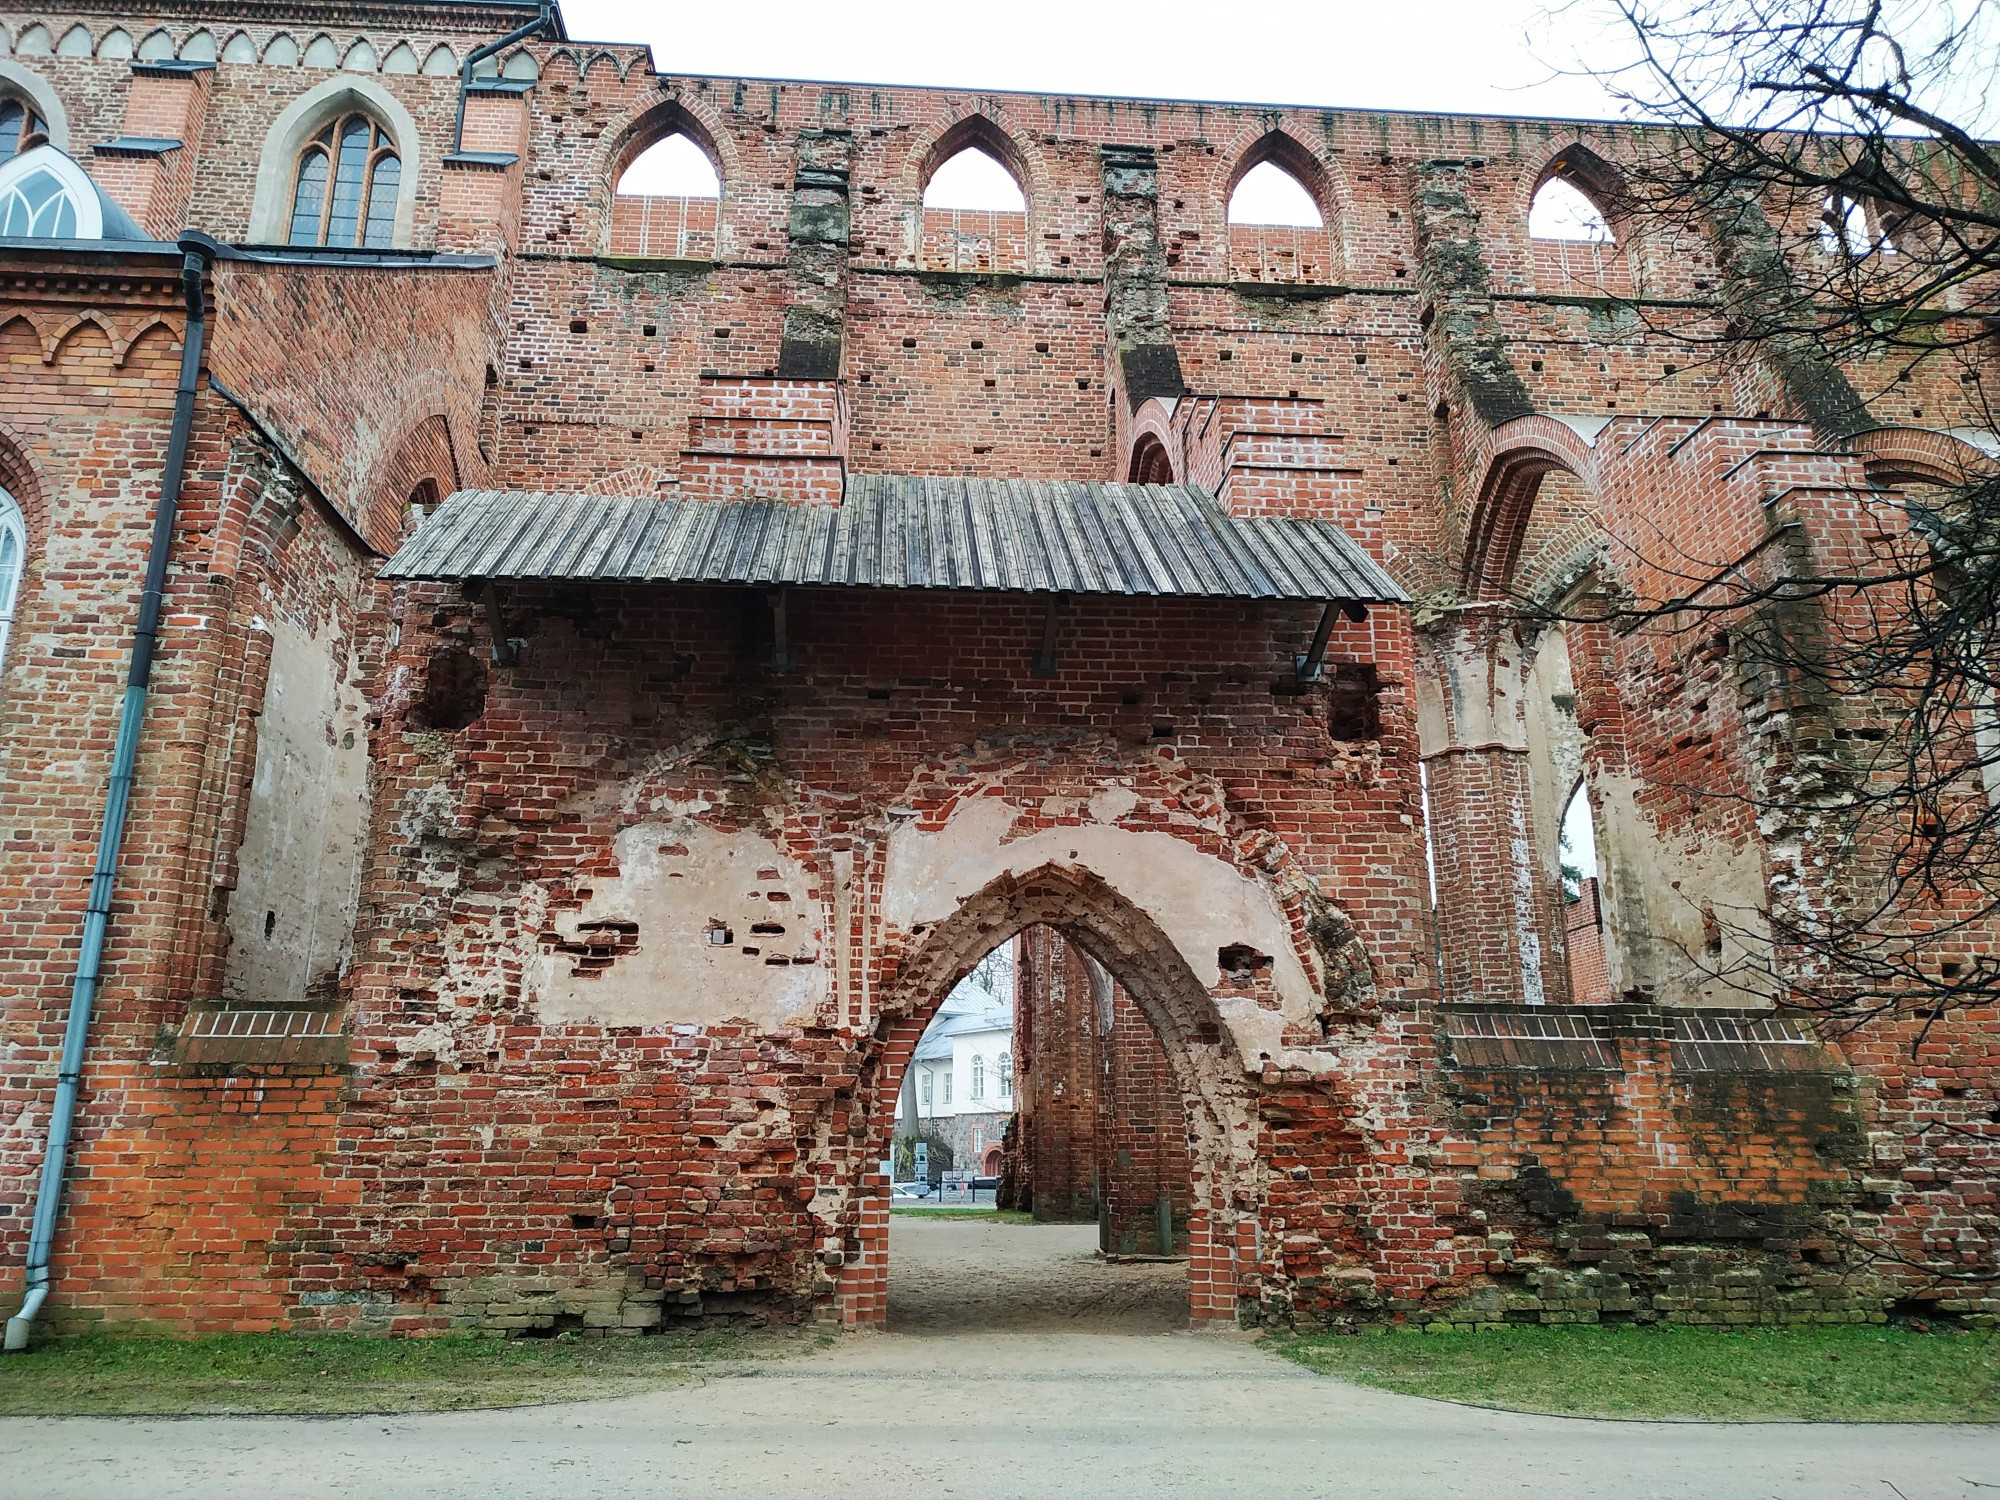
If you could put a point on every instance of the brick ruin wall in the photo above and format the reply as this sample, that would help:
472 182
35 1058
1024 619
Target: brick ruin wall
491 1066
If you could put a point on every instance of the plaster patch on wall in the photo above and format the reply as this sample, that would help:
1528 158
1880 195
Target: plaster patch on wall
298 869
1203 904
712 927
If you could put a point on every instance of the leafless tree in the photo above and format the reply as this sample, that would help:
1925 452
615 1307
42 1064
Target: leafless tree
1827 151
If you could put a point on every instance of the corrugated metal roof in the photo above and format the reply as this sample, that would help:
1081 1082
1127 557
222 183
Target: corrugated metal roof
898 531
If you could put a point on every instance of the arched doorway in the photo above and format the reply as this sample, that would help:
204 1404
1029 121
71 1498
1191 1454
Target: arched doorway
1216 1097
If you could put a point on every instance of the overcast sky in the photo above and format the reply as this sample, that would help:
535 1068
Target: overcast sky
1457 56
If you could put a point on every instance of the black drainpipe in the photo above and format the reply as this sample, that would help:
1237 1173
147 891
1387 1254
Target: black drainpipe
479 55
195 261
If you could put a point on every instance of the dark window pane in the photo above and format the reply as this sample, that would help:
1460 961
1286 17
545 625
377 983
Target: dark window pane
310 200
382 203
11 119
344 220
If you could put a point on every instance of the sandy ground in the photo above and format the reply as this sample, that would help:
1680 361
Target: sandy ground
950 1276
995 1415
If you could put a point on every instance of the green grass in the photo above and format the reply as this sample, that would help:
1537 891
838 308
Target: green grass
1813 1374
318 1373
991 1215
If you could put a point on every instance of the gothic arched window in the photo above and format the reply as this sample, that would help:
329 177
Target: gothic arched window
345 187
20 128
13 556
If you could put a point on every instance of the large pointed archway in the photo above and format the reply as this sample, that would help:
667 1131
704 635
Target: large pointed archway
1102 923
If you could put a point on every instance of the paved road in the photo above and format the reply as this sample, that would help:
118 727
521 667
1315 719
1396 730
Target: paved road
994 1415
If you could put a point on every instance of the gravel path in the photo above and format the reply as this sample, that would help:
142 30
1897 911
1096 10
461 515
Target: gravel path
965 1276
992 1415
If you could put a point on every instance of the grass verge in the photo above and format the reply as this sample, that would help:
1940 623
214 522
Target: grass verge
298 1374
1813 1374
990 1215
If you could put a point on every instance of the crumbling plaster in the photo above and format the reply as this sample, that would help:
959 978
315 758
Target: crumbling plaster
1200 902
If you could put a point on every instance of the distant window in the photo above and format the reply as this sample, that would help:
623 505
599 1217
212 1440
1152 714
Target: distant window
979 1078
38 206
345 193
947 1088
672 168
927 1085
1854 229
13 554
1560 211
1006 1075
1268 194
978 1139
20 128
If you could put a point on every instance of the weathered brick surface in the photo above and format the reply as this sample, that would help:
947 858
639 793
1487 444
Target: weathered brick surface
644 932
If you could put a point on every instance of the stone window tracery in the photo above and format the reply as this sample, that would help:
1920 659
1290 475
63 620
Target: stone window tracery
345 186
38 206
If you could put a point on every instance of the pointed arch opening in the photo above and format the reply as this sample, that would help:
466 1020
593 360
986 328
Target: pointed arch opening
1099 992
1151 463
1583 901
667 192
1575 215
1277 214
974 211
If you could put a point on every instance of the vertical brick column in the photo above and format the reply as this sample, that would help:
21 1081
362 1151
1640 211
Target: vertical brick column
1139 345
816 262
149 169
479 207
1497 935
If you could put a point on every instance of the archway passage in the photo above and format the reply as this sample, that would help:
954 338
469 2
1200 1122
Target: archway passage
1040 1077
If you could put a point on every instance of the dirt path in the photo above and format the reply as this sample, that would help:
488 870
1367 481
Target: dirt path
949 1276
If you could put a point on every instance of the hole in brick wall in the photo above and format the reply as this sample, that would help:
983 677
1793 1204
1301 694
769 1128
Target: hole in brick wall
722 333
1240 963
651 330
579 325
767 929
454 690
583 1221
979 343
1298 359
1361 359
1534 364
270 923
1225 354
1354 702
909 343
1041 346
719 935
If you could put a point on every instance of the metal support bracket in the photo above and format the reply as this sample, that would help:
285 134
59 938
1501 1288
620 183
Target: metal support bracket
1045 659
783 658
506 648
1308 668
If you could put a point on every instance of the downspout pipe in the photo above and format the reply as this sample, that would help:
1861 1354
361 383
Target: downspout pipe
478 55
195 259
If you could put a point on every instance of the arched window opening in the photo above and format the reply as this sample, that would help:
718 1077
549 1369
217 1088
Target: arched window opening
1583 905
978 1077
21 129
1150 462
668 201
39 205
345 186
1854 228
1006 1075
1277 229
975 179
1562 211
975 215
13 559
1268 194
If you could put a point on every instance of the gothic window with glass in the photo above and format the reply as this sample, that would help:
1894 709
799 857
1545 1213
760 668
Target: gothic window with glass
348 177
20 128
13 554
38 205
